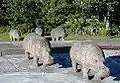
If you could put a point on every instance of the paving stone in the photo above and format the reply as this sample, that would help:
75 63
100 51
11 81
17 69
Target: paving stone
6 66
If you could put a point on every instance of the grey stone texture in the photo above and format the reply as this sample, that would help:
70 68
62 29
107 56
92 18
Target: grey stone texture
58 32
14 35
14 68
38 48
89 58
38 31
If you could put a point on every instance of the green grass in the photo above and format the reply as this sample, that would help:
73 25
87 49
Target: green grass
4 37
78 37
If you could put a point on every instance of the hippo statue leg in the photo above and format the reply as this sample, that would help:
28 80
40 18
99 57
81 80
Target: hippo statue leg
62 38
57 38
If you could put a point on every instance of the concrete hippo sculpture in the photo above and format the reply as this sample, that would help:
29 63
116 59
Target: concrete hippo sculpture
14 34
38 31
38 48
90 59
57 33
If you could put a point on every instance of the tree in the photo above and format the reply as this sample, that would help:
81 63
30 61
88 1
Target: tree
55 12
20 12
75 13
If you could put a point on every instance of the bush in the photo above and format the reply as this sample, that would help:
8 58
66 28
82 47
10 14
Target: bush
4 29
86 26
75 24
24 28
104 32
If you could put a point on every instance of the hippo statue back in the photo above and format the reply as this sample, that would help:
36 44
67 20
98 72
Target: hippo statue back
15 34
38 48
57 33
38 31
90 59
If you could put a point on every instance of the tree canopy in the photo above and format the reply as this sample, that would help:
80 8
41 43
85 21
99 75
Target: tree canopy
81 16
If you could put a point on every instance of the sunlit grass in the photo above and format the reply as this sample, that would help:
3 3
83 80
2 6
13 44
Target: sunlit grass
78 37
4 37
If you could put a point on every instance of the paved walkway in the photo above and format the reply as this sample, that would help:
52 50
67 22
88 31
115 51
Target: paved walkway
14 60
19 63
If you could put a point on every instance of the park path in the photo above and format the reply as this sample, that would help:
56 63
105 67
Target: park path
14 65
14 60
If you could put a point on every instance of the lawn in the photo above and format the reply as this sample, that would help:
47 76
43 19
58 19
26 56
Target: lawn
78 37
4 37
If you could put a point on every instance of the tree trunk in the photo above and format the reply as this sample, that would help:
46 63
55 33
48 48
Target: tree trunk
107 25
106 21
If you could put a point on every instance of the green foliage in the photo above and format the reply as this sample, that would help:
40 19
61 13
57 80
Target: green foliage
114 31
97 27
82 26
24 28
84 17
4 29
55 12
75 22
20 12
104 32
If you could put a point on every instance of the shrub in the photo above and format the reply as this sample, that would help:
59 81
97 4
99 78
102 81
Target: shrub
24 28
4 29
